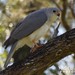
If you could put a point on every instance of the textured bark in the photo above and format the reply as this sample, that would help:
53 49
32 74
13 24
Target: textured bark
44 57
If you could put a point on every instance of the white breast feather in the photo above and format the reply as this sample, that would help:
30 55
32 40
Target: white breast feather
36 35
41 32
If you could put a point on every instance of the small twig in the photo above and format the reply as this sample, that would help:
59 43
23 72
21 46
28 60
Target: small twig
70 5
67 27
56 4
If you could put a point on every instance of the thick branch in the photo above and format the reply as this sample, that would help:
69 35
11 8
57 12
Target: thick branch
45 56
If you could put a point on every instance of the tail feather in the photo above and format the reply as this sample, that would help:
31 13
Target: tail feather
10 55
6 43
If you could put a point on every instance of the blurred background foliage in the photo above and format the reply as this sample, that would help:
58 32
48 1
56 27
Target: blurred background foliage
12 11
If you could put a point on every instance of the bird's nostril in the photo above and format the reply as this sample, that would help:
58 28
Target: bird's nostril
58 14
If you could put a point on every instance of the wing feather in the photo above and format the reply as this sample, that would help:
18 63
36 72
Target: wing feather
29 24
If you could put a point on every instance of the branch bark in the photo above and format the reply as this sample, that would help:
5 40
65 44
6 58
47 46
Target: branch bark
44 57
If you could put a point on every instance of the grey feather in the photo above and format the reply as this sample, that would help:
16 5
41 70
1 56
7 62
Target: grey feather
29 24
10 55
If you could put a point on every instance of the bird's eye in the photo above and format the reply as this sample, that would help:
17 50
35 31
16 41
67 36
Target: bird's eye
54 11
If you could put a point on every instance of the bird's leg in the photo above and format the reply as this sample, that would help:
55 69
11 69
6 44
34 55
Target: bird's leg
36 46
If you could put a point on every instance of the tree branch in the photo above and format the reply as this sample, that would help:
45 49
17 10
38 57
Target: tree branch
63 15
44 57
71 6
54 1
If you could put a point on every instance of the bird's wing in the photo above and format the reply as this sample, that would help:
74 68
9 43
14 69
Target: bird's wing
18 24
29 24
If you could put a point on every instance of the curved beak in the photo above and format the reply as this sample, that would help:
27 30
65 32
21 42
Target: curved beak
58 14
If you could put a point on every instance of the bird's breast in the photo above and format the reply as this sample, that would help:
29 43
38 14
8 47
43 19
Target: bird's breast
36 35
41 32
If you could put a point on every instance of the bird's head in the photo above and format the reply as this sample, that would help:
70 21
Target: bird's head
53 14
53 11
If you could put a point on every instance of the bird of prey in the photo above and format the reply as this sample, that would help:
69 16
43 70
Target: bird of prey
30 30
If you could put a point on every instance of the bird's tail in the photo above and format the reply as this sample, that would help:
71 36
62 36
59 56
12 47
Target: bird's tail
6 43
10 41
10 55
